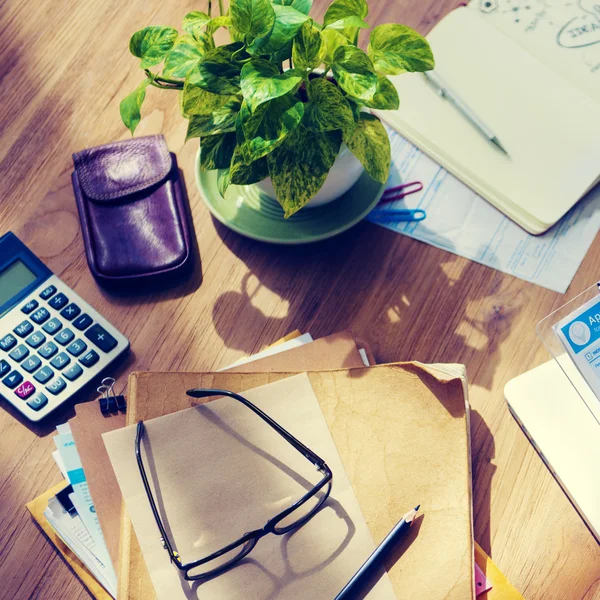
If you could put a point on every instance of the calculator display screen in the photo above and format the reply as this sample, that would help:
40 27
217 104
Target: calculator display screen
16 277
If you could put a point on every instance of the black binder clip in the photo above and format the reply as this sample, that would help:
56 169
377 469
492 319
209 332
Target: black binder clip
110 403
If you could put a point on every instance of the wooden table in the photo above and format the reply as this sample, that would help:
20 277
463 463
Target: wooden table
64 68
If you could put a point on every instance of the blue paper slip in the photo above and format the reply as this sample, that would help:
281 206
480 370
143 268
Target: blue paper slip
461 222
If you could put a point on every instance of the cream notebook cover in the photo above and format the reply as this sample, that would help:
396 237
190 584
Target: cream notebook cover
545 112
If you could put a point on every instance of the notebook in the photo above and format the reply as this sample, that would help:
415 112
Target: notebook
402 432
543 105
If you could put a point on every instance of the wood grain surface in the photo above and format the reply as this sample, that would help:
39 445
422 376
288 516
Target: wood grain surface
63 68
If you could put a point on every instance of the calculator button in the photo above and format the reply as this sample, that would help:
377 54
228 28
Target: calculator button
31 364
101 338
49 291
40 315
36 339
8 341
56 386
19 353
37 401
44 374
77 347
13 379
30 307
48 350
52 326
89 359
60 360
25 328
58 301
70 312
4 367
64 337
73 372
83 322
25 390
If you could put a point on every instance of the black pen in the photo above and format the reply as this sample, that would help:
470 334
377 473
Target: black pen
363 576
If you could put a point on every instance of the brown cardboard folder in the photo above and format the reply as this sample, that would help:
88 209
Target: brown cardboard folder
402 432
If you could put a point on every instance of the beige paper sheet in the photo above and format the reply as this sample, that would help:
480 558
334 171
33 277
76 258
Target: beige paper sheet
221 472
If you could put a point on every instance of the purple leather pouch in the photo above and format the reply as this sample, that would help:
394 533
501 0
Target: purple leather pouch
133 210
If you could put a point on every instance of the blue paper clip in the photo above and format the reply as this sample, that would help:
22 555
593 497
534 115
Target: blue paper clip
400 214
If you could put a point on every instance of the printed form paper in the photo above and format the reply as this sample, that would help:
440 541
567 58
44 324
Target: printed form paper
461 222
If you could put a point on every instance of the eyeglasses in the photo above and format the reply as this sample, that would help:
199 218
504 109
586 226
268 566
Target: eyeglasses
288 520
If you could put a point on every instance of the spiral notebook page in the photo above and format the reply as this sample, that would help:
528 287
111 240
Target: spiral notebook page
219 471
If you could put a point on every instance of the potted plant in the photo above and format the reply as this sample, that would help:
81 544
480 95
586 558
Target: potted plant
286 95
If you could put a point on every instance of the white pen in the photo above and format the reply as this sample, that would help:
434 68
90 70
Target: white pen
445 92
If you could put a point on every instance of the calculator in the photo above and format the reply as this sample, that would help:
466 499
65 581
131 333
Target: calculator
52 342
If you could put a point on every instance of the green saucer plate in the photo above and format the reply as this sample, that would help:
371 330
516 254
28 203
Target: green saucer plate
250 212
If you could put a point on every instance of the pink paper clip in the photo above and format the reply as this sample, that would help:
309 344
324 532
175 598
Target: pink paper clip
401 191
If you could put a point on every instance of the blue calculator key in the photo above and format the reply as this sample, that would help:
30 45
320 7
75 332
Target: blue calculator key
35 339
44 374
12 380
64 337
4 367
101 338
48 350
76 347
30 306
19 353
89 359
52 326
49 291
31 363
70 312
25 328
83 322
40 316
56 386
73 372
58 301
38 401
8 341
60 360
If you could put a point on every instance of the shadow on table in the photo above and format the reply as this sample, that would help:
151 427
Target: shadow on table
407 300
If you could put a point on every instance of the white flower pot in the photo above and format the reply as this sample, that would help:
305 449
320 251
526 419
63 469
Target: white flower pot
343 175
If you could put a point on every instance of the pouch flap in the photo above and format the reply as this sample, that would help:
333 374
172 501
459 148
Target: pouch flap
117 170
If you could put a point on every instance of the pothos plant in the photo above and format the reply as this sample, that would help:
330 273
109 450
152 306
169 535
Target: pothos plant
279 100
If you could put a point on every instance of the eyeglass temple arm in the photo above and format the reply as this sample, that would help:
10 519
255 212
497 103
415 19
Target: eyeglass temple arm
163 534
306 452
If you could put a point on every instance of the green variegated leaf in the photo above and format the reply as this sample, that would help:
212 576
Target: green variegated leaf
253 17
217 72
354 72
194 21
370 144
222 21
288 21
216 151
299 167
131 105
243 174
197 101
183 56
327 109
284 54
151 44
303 6
219 120
351 21
395 49
223 181
307 52
266 128
332 40
261 81
340 9
385 97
